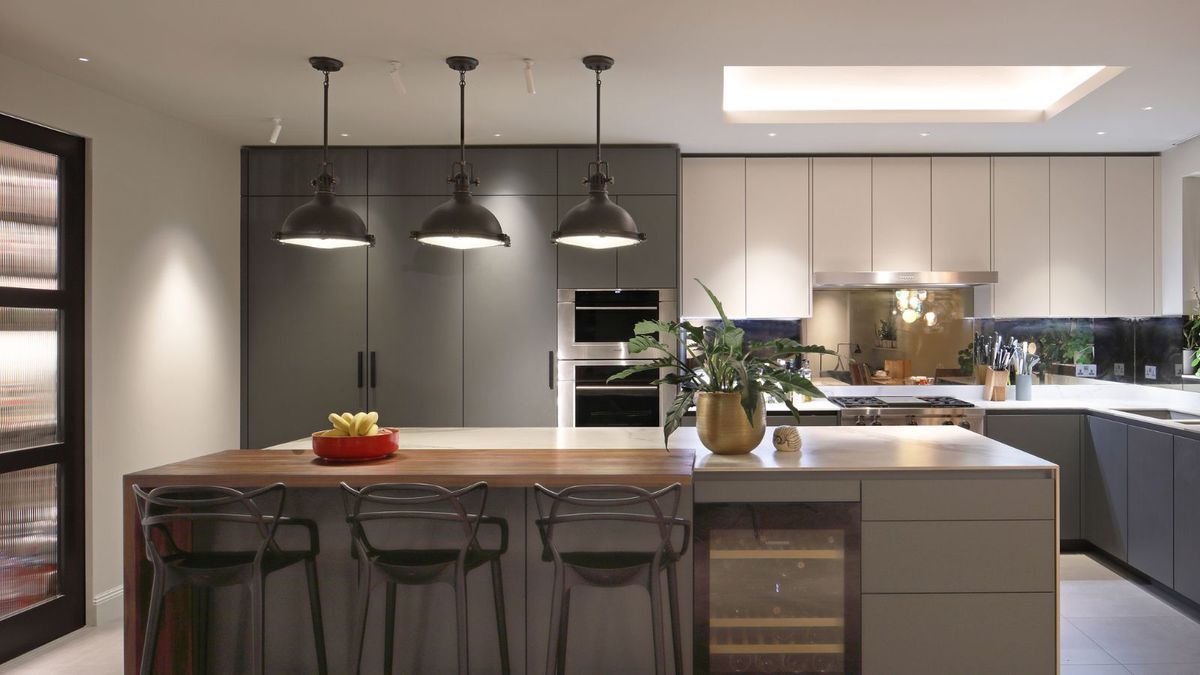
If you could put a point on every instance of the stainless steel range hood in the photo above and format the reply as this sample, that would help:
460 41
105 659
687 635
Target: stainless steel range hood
903 279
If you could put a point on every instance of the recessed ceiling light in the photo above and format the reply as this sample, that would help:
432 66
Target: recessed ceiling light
84 59
496 135
905 94
345 135
1149 107
924 133
1101 133
771 133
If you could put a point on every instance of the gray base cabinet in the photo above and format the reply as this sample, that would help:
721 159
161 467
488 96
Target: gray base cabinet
1187 517
1151 503
1105 486
1054 438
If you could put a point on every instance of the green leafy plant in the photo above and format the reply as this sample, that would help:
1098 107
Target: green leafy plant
886 330
720 359
1191 325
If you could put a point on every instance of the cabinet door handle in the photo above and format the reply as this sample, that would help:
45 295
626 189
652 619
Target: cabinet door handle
373 380
360 370
550 368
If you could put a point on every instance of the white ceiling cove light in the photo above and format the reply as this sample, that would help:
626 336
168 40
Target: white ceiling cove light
906 94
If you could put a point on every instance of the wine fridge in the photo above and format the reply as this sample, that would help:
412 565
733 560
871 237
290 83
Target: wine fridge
777 588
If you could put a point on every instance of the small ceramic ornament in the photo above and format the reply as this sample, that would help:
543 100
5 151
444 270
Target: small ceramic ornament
786 439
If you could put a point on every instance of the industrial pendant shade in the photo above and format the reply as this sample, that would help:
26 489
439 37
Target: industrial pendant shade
598 222
322 222
461 222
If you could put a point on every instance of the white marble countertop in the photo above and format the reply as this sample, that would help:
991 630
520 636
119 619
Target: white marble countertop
854 449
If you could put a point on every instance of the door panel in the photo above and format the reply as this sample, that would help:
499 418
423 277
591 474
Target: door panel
306 326
1151 459
415 322
1054 438
1105 486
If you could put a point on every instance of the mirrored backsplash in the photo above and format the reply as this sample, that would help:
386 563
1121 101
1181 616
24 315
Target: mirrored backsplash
869 327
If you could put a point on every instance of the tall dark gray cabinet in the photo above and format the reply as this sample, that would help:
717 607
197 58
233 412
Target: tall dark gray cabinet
428 336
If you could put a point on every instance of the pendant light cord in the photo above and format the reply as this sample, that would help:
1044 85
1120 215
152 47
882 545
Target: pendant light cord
597 117
462 119
325 130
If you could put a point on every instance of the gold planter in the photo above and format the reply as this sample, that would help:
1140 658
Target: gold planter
722 424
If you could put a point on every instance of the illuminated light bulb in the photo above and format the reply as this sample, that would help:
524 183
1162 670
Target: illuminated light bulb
914 302
930 319
902 295
909 315
922 294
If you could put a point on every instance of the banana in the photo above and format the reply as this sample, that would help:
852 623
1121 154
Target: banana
339 424
372 419
348 418
373 431
335 432
357 426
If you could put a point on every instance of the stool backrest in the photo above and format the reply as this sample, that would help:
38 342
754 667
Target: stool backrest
584 507
395 504
164 508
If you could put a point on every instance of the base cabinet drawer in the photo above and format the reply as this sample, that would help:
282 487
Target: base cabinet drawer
966 499
1000 556
981 634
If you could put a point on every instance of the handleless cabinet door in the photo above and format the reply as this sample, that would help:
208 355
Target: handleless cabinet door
900 225
652 263
1151 459
510 319
1129 236
514 171
961 189
778 272
841 208
415 320
410 171
1105 485
1054 438
1076 236
1021 235
636 171
713 234
1187 517
306 325
279 172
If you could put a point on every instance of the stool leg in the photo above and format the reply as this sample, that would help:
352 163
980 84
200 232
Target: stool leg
389 627
673 597
199 629
360 617
501 619
152 622
556 611
564 624
656 622
460 606
314 606
258 634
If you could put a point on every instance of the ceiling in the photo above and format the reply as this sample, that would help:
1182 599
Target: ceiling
232 65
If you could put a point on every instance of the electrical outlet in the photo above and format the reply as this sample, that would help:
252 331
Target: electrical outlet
1085 370
1151 372
1119 369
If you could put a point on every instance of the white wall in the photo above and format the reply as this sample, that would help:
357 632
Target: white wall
1180 244
163 292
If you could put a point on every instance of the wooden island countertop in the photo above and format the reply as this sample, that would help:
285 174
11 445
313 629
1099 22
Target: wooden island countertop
504 457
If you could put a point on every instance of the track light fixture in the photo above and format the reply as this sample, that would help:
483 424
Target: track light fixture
394 68
275 130
529 88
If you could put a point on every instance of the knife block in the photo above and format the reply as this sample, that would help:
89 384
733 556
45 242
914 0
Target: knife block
995 385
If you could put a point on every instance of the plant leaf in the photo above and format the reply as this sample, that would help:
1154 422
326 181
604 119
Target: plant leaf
792 382
683 401
641 343
648 327
641 368
716 303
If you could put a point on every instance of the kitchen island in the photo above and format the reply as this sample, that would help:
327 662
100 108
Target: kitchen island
949 534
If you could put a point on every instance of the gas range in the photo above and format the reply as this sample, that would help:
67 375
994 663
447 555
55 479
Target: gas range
908 410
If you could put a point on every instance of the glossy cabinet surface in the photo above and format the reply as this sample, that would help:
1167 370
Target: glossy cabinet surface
1105 486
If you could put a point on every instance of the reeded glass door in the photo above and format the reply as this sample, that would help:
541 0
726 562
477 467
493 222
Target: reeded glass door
41 385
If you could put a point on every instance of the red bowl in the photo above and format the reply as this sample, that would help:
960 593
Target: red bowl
356 448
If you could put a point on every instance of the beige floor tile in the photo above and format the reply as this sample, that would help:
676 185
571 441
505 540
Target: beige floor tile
1109 598
1095 670
1079 649
1166 669
1080 567
95 650
1144 639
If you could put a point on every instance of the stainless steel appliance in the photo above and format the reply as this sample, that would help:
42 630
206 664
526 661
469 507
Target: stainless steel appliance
598 323
908 410
594 329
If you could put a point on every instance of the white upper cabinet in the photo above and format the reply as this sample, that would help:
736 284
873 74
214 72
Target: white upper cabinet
1021 235
1129 236
778 273
962 213
841 214
1076 236
713 235
900 224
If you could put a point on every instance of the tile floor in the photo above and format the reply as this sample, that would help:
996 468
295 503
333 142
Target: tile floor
1110 626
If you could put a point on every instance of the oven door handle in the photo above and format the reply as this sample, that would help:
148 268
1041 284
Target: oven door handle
607 387
616 307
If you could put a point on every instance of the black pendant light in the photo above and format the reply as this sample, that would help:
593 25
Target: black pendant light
323 223
598 222
460 222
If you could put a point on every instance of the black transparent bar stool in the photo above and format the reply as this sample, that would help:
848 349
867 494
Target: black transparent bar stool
625 564
193 506
379 513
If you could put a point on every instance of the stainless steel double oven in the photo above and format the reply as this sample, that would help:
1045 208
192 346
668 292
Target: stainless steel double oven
594 328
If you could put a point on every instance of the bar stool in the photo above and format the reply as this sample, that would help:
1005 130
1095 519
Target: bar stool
382 510
612 568
164 508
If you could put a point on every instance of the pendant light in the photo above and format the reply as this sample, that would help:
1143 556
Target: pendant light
323 223
460 222
598 222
